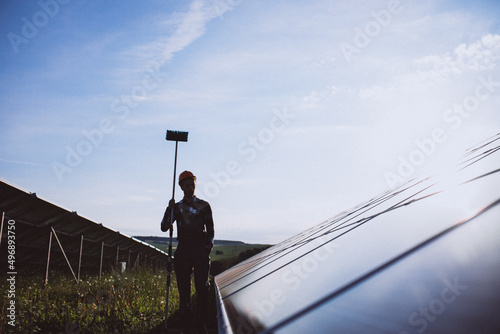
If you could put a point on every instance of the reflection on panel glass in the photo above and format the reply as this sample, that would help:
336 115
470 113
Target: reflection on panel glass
450 285
299 279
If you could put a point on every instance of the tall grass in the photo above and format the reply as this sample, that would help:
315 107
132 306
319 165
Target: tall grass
133 302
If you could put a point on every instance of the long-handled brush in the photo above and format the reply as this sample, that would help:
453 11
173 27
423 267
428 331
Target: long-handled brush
176 136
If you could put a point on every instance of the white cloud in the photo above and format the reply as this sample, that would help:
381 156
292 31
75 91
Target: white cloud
222 79
373 92
316 98
192 26
480 55
26 163
432 73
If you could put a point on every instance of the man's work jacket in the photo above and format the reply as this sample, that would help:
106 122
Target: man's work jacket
195 225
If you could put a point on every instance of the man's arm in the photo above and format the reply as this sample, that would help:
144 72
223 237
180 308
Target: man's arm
166 222
209 223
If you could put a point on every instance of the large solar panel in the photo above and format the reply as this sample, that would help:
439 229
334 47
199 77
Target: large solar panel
35 219
423 257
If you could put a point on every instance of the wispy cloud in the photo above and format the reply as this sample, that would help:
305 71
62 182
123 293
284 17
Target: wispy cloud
224 70
483 54
26 163
192 26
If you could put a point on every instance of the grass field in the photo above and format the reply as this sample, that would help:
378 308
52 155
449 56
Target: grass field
130 302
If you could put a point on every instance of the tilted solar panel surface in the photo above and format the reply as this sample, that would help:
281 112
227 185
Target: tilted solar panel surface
423 257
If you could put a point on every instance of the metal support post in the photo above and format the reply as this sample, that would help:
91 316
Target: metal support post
1 227
129 265
80 258
117 255
100 265
64 254
48 260
137 260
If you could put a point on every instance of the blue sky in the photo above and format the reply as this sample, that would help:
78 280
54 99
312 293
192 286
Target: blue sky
296 110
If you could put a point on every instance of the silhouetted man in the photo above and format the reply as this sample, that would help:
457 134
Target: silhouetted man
195 234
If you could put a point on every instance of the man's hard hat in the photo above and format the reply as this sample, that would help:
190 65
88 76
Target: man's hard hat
186 175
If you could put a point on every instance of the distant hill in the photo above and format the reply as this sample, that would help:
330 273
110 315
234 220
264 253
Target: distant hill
165 240
225 253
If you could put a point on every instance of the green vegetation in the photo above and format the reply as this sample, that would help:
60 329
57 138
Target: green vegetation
133 302
232 251
225 256
130 302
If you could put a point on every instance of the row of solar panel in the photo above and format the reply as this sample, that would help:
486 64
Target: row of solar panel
423 256
35 219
